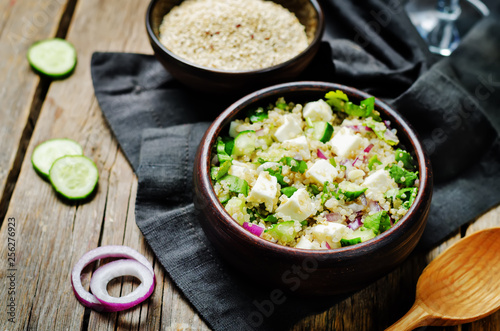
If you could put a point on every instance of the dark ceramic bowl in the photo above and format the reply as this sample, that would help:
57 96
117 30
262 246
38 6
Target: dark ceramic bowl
205 79
309 272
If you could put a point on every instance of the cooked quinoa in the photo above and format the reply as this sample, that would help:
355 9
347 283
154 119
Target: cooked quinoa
321 175
233 34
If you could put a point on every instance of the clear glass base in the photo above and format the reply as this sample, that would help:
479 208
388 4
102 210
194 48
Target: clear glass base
443 30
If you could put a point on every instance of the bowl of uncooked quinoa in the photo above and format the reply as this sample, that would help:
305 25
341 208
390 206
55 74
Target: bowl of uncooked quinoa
224 46
312 177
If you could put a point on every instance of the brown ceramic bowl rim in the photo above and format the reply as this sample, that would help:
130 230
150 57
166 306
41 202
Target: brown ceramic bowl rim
379 241
317 38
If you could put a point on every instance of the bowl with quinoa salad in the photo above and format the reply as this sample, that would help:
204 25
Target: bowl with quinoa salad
316 175
233 45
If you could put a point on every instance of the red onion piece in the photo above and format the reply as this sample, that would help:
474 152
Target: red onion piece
333 217
355 160
254 229
367 128
260 133
363 199
85 297
356 224
321 155
327 245
104 274
374 206
387 124
368 148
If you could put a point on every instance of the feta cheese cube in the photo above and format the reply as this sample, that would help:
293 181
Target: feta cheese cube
298 207
378 183
345 143
289 129
322 171
318 111
240 169
300 144
304 243
332 232
265 190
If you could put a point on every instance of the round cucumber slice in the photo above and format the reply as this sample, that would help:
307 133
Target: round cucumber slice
55 57
47 152
74 177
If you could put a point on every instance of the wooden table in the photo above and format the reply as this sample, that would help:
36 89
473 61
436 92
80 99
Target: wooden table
51 236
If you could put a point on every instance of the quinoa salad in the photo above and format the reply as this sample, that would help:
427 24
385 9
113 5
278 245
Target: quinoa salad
320 175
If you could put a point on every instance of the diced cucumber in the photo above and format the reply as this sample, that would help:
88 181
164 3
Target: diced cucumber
244 143
363 233
323 131
222 154
284 231
350 242
74 176
350 190
378 222
218 172
236 184
235 206
47 152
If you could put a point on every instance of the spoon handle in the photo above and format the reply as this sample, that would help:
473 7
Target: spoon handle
414 318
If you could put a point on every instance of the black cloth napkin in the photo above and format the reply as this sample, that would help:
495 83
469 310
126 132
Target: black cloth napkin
371 45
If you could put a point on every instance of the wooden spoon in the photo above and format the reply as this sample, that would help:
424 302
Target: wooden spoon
460 286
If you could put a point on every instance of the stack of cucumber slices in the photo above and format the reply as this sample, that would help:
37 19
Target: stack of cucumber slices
61 161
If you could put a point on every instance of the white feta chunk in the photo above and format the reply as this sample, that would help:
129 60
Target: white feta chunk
318 111
304 243
240 169
378 183
298 207
265 190
322 171
345 143
332 232
289 129
300 144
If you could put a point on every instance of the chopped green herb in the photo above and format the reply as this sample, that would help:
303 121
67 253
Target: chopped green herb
340 102
297 166
406 158
218 172
278 175
378 222
288 191
372 161
257 115
236 184
402 176
332 162
381 131
311 188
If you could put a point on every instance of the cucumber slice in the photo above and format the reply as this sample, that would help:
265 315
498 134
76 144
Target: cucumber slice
284 231
350 190
47 152
55 57
74 176
244 143
323 131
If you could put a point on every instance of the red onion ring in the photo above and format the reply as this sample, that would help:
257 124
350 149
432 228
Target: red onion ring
85 297
104 274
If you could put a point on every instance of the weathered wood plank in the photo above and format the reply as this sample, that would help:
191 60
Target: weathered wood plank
21 24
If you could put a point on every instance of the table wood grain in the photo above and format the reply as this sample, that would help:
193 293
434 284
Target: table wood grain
50 235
